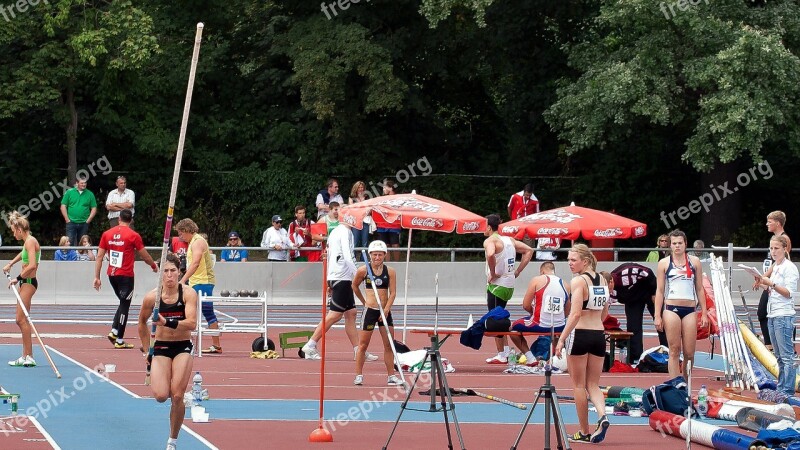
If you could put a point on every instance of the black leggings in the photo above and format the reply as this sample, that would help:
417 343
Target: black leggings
123 288
762 316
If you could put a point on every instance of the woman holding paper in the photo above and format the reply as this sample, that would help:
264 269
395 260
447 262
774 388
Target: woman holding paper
780 311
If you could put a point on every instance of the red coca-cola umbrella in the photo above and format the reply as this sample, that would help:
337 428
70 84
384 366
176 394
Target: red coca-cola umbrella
573 222
412 212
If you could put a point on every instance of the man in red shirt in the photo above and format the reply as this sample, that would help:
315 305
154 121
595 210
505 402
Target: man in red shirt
121 243
523 203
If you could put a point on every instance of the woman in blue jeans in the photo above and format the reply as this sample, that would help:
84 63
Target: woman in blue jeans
780 311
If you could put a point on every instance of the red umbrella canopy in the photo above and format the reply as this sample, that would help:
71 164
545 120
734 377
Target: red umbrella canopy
414 211
572 222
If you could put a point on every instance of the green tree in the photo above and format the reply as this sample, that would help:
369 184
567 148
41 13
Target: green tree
63 58
715 83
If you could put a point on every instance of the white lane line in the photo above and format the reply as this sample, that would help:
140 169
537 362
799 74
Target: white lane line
44 432
100 377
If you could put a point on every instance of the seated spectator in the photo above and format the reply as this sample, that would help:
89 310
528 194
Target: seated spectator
65 255
86 254
234 254
549 243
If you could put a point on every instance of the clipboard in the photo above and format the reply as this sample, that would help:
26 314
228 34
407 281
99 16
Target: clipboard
751 270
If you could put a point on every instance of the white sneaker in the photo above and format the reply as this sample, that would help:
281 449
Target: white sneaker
359 380
311 352
29 361
172 446
497 359
368 357
20 362
394 380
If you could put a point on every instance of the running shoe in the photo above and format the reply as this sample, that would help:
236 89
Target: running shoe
20 362
580 437
600 433
497 359
29 361
394 380
311 353
122 344
112 337
212 349
172 446
368 357
359 380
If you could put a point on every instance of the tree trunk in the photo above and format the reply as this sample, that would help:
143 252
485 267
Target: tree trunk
721 190
72 135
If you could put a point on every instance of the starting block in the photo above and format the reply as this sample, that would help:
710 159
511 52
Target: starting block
285 342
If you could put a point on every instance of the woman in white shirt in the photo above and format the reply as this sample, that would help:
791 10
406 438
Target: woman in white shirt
780 311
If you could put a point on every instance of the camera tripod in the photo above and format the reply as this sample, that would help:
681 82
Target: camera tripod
548 391
445 398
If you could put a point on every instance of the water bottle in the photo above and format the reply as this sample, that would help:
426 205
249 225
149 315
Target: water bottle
197 388
512 359
623 355
702 401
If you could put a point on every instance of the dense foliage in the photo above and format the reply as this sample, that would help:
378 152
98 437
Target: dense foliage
621 105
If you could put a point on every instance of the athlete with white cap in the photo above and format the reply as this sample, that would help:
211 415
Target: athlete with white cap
385 279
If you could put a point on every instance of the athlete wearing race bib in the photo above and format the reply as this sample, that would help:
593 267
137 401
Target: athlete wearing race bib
122 244
679 289
586 346
547 301
501 253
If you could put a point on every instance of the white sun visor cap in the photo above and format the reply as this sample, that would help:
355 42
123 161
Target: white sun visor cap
377 246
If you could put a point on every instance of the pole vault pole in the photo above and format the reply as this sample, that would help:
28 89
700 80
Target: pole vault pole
174 189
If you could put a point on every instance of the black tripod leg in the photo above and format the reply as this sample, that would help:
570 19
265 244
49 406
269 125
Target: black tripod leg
527 420
561 432
404 404
452 406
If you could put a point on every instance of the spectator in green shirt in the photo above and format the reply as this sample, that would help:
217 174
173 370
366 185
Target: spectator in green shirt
78 206
656 255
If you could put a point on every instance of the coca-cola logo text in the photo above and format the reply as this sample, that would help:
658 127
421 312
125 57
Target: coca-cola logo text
557 215
348 219
509 230
471 226
426 222
552 231
410 203
608 233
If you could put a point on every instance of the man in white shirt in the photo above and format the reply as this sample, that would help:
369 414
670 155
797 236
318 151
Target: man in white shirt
341 300
326 196
119 199
277 240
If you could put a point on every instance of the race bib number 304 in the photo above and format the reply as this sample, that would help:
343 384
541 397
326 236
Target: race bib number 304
553 305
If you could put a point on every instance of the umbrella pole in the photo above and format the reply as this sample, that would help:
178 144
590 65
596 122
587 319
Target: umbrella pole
405 294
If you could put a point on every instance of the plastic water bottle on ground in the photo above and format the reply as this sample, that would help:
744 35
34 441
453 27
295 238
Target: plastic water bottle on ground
512 359
197 388
702 401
